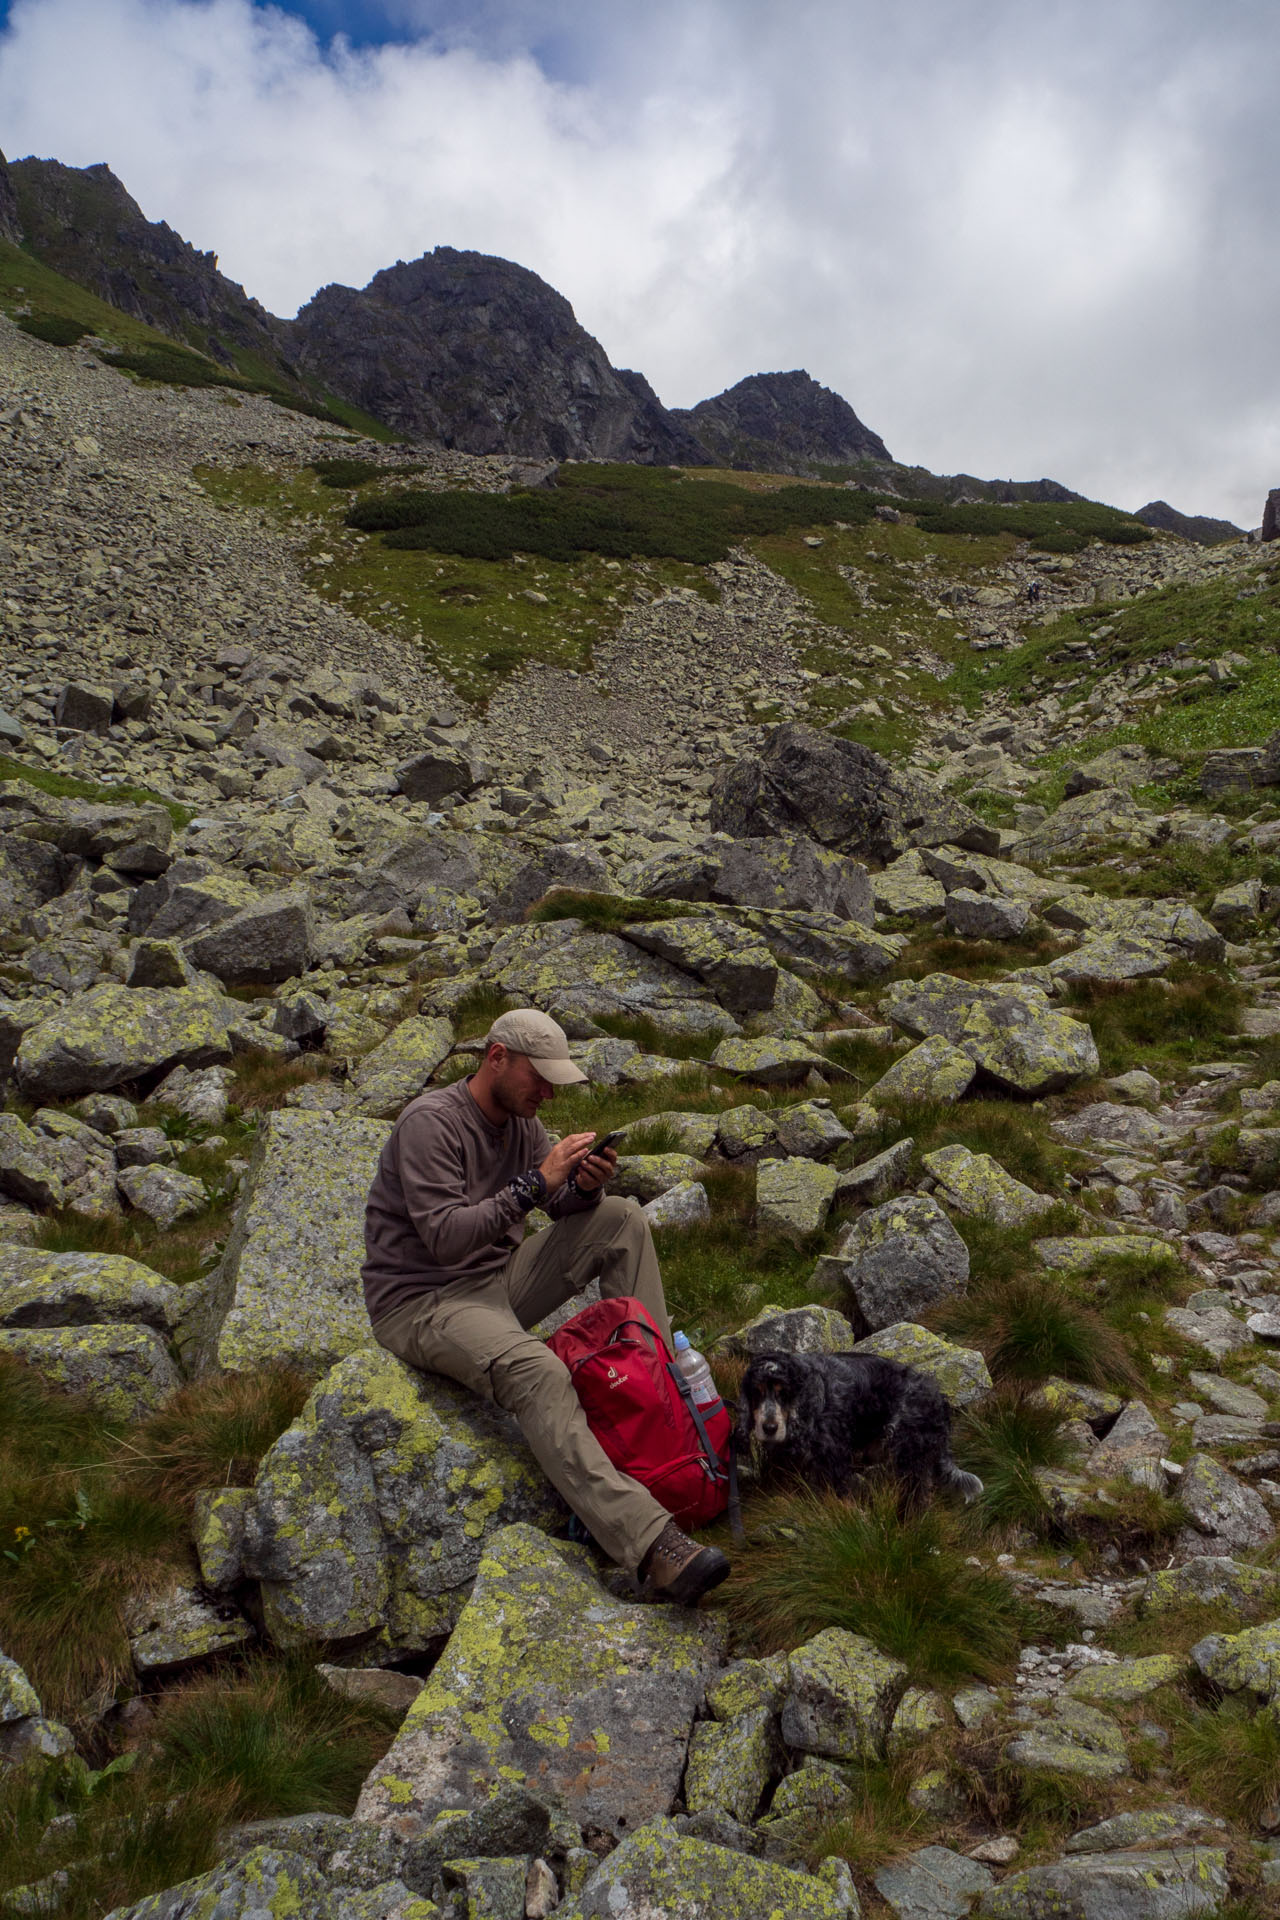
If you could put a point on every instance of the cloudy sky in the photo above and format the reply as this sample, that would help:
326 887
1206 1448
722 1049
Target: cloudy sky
1020 239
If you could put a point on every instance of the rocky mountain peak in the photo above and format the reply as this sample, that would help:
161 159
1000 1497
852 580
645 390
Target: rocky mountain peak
782 420
1200 527
478 353
10 224
83 222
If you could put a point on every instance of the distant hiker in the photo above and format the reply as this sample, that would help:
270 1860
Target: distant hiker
1033 592
452 1286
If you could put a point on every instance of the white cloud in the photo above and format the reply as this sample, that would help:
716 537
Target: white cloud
1019 240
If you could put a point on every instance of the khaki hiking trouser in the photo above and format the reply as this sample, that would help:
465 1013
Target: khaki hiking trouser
476 1331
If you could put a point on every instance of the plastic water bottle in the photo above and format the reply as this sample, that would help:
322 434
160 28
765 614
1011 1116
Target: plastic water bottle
706 1395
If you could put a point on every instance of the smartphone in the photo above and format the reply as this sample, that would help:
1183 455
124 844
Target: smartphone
607 1140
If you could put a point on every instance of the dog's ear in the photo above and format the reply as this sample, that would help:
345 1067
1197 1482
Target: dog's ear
811 1396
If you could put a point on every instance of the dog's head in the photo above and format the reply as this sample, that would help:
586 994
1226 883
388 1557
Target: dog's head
771 1388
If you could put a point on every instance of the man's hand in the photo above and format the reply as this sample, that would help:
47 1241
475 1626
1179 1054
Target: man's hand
597 1169
564 1158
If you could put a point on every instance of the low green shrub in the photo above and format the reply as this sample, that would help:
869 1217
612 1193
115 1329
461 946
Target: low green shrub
604 912
339 472
55 328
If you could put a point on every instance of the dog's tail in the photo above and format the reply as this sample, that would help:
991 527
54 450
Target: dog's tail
964 1483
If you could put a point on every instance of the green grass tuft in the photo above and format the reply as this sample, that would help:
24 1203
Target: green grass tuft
1229 1756
1004 1440
905 1582
70 787
1033 1326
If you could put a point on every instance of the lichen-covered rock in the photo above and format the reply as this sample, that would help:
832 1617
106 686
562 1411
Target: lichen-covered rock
599 1719
771 1062
918 1713
1073 1739
164 1194
644 1176
875 1179
974 1183
288 1286
661 1872
787 871
1009 1031
790 1330
793 1197
1245 1662
18 1698
1167 1826
398 1070
271 1883
113 1034
1226 1515
841 1696
371 1512
745 1685
933 1070
1127 1680
1111 959
267 941
1107 1124
218 1529
816 1794
28 1170
730 1764
1174 1882
1075 1253
39 1289
1132 1449
809 1130
1086 820
573 973
1214 1580
743 975
898 1260
171 1632
126 1371
961 1372
684 1205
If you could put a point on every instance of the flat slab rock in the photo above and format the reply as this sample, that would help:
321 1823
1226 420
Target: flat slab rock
933 1884
1160 1885
548 1680
39 1289
288 1286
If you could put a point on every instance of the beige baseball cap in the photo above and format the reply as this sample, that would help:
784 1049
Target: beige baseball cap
539 1036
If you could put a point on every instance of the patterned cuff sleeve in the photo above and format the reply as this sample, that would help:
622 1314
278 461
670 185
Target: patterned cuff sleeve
530 1190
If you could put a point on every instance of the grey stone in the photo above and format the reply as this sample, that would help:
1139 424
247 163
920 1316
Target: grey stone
841 1696
684 1205
974 1183
1105 1124
169 1633
1245 1662
934 1070
809 1130
265 942
287 1288
578 975
786 870
899 1259
163 1193
264 1880
1074 1739
84 706
875 1179
933 1884
790 1330
29 1170
599 1720
793 1197
730 1765
435 773
1231 1516
982 916
771 1062
961 1372
18 1698
1133 1449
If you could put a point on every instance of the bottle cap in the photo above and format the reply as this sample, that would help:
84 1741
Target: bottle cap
681 1342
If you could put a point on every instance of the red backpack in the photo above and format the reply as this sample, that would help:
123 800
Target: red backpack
640 1408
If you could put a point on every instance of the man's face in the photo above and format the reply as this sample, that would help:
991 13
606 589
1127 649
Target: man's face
518 1087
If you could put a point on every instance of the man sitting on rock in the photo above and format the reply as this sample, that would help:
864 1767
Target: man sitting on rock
452 1287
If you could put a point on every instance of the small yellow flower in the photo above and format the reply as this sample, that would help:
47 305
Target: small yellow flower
21 1533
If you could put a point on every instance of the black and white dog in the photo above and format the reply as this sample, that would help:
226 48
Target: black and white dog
827 1416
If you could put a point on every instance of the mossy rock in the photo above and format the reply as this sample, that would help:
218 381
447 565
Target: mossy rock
660 1871
127 1371
113 1034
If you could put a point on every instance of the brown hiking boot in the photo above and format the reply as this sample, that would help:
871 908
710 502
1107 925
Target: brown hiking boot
678 1569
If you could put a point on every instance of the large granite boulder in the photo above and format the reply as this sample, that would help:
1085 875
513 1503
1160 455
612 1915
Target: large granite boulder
742 973
975 1184
842 795
841 1696
1106 816
112 1035
370 1514
288 1285
1009 1031
577 975
785 870
267 941
597 1716
267 1880
961 1372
